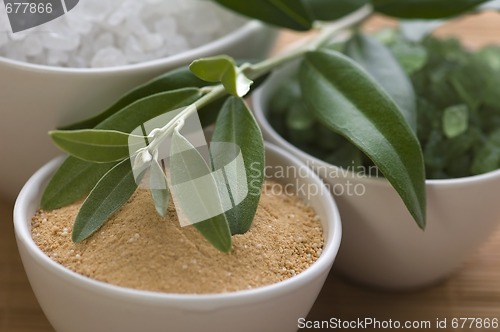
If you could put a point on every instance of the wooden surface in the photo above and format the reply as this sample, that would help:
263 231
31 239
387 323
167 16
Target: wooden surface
473 291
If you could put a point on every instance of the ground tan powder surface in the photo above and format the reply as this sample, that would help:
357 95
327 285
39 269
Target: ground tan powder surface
139 249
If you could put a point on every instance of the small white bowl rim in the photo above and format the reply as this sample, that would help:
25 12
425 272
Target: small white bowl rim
258 106
248 28
192 301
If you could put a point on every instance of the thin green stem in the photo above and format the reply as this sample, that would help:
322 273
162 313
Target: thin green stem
253 71
212 93
216 92
325 33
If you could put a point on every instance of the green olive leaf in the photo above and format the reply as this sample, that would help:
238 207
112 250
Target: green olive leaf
291 14
72 181
173 80
75 178
426 9
99 146
379 62
236 124
208 114
159 188
348 101
199 203
107 197
222 69
455 120
143 110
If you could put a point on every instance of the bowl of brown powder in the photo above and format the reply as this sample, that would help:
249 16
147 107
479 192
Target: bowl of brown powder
142 272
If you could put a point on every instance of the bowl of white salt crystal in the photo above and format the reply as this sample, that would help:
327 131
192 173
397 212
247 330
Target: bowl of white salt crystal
77 65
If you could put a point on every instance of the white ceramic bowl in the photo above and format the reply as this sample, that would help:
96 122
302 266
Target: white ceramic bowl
382 245
74 303
36 98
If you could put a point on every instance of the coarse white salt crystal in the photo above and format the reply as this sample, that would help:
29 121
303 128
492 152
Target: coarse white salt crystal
108 57
56 57
174 44
17 36
167 27
103 40
32 46
79 24
94 10
152 41
133 49
97 33
126 9
60 41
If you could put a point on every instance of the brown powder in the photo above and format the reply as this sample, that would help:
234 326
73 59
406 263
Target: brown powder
138 249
